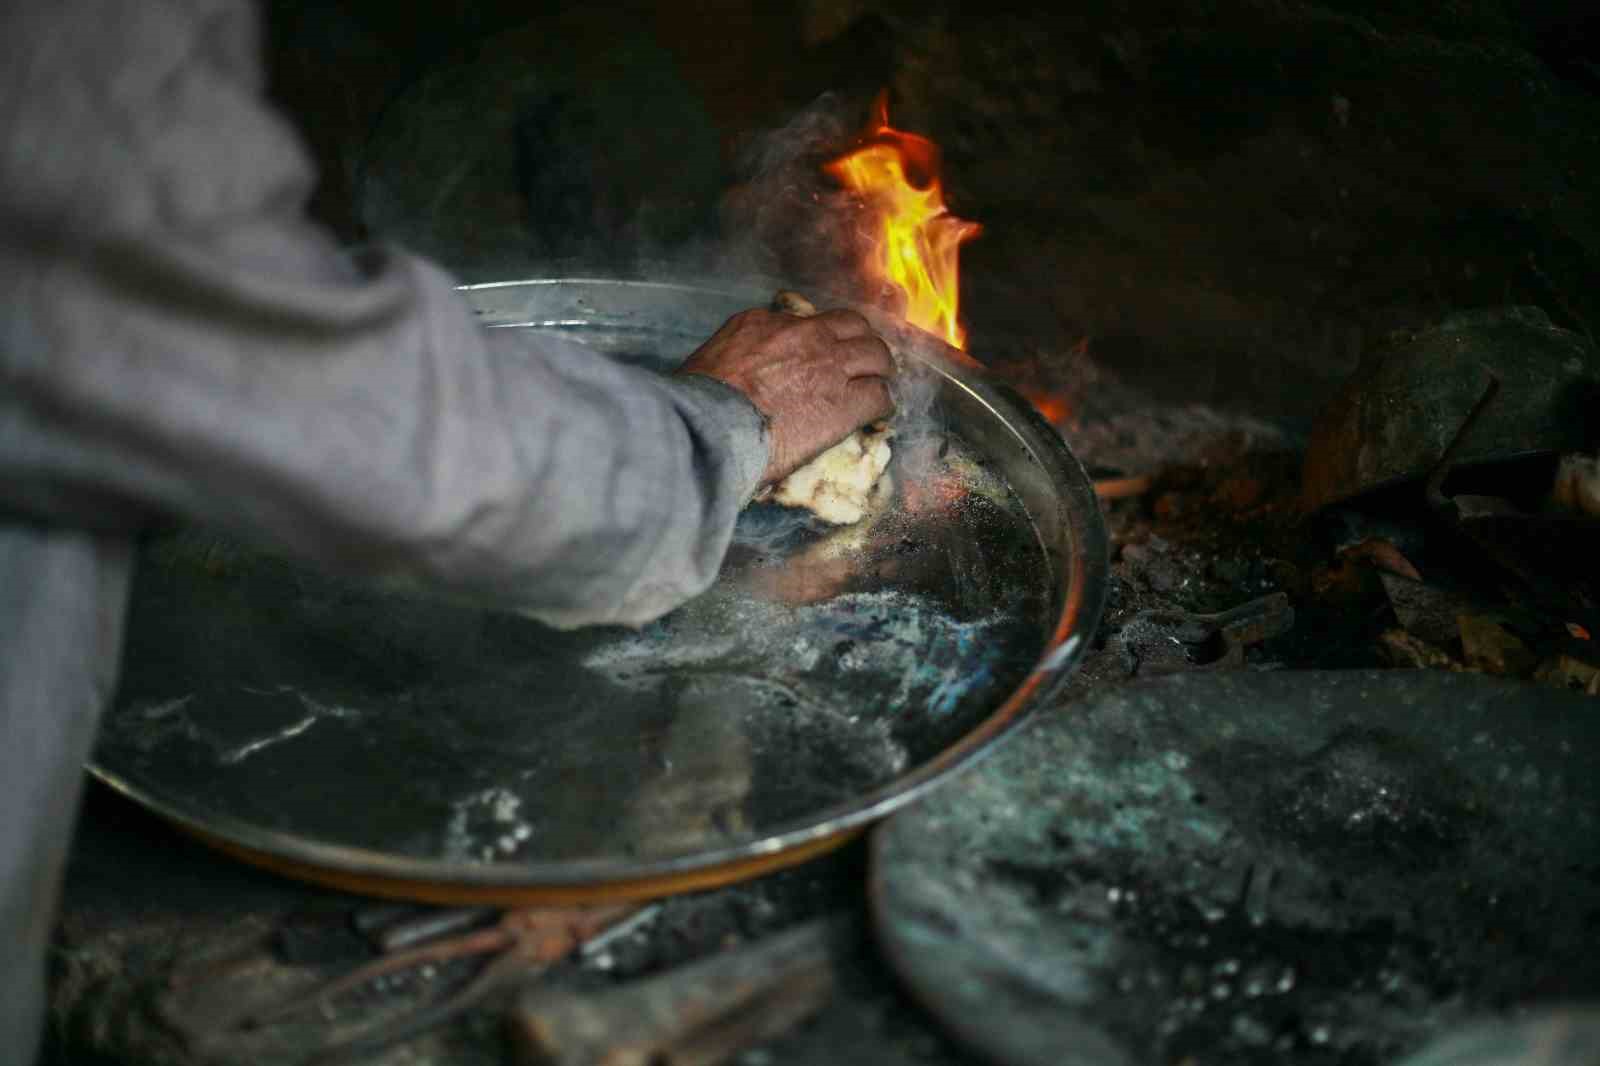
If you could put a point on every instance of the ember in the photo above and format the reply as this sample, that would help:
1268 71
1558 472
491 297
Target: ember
1055 409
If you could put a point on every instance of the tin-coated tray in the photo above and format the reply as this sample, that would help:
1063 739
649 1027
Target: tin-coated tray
401 746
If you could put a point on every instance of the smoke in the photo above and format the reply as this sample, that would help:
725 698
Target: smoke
916 386
785 218
780 217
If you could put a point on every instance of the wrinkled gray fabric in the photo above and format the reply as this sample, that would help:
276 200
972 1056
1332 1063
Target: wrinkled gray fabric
177 340
61 598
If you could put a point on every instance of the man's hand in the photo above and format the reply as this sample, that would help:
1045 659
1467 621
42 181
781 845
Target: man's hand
815 379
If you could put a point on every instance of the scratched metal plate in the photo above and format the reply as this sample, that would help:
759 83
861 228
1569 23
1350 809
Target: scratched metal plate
1242 868
828 677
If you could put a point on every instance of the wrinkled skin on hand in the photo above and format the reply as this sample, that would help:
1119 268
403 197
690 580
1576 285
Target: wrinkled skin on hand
815 379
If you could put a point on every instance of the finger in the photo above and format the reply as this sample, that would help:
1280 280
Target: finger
865 357
867 400
844 324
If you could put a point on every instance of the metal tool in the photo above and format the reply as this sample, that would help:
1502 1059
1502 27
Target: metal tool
519 946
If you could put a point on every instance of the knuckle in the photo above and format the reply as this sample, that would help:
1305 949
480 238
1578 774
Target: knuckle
754 316
872 352
815 328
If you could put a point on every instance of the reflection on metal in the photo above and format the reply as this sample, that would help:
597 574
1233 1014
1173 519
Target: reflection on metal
409 748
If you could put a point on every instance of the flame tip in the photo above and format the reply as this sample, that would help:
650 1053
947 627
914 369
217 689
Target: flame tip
880 110
920 239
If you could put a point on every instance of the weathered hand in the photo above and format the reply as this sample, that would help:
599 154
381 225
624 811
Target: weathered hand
815 379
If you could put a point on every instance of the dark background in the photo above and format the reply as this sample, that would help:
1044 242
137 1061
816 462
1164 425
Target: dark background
1227 200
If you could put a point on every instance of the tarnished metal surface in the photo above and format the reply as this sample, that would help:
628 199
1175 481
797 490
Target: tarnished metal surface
1394 418
829 676
1309 867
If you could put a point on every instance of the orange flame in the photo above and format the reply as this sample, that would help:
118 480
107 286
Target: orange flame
918 240
1056 409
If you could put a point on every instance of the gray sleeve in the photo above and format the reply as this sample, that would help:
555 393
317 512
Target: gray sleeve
175 338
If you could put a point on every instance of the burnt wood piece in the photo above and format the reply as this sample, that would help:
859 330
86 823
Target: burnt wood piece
698 1015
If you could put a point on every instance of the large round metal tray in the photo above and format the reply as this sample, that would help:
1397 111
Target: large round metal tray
405 747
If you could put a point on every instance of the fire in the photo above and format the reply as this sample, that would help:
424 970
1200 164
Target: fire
918 240
1055 409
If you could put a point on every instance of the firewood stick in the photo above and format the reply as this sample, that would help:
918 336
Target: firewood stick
1120 488
702 1014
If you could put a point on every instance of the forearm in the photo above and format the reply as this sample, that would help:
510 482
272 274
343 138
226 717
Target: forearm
384 434
175 339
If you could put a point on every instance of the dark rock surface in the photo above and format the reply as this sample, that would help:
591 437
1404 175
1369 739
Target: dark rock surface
1308 867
